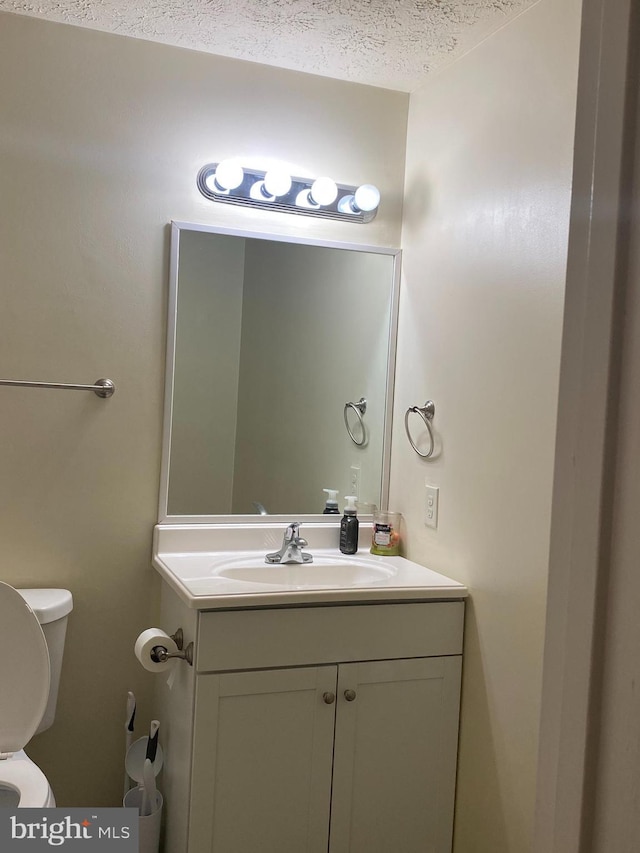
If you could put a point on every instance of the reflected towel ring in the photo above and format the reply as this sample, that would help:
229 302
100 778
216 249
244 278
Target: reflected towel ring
426 412
359 408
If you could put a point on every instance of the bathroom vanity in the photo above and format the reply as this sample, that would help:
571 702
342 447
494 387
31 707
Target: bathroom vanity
320 712
316 716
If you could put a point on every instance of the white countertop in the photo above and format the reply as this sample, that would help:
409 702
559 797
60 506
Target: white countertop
207 577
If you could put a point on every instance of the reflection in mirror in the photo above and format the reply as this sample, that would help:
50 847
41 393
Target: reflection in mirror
269 340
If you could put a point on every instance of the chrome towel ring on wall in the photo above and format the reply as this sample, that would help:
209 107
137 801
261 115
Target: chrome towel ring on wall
426 412
359 408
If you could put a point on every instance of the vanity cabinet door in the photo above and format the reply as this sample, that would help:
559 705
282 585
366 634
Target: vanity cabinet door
395 756
261 778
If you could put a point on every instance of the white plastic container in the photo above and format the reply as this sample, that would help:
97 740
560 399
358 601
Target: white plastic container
149 825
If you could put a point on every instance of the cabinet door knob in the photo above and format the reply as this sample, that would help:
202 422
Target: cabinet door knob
329 698
349 695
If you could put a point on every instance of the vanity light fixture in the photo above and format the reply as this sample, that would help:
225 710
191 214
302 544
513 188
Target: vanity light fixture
275 189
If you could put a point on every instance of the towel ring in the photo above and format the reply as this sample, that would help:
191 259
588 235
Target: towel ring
426 412
359 408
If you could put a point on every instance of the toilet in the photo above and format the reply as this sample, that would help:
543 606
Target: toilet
33 624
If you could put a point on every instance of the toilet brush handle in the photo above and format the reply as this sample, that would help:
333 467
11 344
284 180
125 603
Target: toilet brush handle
152 743
128 729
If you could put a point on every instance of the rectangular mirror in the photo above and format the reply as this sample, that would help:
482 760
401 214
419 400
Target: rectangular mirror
271 344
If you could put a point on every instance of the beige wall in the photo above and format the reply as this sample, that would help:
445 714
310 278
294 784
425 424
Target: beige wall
101 138
489 163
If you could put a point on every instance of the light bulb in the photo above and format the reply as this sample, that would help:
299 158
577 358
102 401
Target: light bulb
227 176
367 198
323 191
276 182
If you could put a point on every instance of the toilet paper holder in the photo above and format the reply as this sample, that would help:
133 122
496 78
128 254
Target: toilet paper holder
160 653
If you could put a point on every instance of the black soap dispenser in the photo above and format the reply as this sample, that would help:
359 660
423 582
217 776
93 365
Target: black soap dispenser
349 527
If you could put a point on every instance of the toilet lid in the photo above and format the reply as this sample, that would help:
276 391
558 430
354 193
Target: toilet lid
24 671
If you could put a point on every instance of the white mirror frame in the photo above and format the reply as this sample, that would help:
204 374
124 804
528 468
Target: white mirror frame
255 519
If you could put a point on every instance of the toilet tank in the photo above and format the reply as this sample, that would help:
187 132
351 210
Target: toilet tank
52 607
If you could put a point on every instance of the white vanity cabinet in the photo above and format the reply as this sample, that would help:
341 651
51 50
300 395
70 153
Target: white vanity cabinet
313 729
352 758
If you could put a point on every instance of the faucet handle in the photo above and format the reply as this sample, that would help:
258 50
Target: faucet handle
292 531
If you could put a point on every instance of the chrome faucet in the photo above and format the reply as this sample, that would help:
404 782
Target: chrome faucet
291 549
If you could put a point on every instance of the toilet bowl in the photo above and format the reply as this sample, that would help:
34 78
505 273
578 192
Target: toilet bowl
32 634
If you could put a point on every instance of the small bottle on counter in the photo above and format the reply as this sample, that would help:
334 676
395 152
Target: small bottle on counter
349 526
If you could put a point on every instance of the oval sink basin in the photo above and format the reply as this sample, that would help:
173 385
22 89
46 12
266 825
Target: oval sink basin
327 573
210 579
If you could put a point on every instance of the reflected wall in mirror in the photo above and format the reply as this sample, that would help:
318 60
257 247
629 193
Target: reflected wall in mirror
268 339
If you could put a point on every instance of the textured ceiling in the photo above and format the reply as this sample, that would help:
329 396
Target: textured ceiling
388 43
